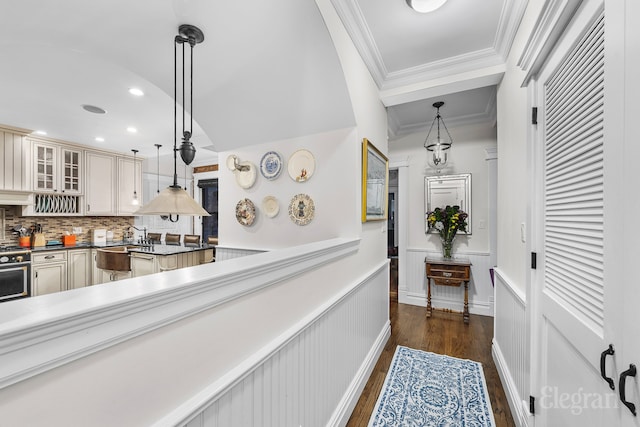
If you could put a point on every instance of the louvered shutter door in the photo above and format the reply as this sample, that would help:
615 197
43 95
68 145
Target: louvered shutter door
573 180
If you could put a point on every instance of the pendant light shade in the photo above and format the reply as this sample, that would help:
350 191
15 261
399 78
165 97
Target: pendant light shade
171 201
174 200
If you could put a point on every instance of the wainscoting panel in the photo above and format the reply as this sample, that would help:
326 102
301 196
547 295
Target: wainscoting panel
511 346
414 290
314 377
225 253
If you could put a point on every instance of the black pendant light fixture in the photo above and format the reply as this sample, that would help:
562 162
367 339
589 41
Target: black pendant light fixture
174 201
191 35
437 147
135 200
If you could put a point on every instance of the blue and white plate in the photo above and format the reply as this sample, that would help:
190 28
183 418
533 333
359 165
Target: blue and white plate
271 165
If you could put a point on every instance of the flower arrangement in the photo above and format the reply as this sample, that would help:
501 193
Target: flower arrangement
447 222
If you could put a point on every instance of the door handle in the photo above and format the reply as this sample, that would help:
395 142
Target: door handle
608 352
631 372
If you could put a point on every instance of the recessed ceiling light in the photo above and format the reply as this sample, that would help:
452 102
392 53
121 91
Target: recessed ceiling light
99 139
131 129
93 109
135 91
425 6
40 132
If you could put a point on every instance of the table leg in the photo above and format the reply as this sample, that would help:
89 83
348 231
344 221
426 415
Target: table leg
428 297
465 312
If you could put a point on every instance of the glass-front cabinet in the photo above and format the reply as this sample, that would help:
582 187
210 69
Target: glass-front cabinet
57 169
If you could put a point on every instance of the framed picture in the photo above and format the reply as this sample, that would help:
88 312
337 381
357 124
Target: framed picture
375 183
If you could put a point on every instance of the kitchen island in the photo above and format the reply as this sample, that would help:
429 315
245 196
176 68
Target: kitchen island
57 268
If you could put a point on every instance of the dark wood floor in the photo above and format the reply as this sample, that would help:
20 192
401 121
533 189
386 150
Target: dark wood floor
443 333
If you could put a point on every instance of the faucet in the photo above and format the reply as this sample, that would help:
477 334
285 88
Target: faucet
143 229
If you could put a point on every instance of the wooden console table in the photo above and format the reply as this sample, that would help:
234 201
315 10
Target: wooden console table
449 272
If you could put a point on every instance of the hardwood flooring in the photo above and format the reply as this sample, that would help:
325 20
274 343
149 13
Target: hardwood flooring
443 333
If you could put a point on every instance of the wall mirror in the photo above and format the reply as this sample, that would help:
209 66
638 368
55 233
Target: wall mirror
443 190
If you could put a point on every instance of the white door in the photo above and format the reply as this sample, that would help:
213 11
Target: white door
575 292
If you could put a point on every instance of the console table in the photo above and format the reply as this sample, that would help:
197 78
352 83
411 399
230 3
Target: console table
448 272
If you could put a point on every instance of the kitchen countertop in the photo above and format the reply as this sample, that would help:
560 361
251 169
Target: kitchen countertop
157 249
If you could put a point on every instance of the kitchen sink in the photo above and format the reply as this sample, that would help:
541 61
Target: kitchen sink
114 259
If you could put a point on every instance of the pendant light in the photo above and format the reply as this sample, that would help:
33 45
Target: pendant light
174 200
158 167
135 200
437 147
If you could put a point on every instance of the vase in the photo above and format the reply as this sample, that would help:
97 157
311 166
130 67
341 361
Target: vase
447 246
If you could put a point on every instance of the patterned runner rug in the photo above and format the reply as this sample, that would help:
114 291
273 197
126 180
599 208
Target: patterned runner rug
428 389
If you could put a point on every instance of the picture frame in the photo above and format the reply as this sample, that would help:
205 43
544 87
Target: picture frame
375 183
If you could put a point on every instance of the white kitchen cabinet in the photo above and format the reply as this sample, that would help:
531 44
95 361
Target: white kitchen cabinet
143 264
129 174
96 275
100 184
48 272
57 168
15 158
78 268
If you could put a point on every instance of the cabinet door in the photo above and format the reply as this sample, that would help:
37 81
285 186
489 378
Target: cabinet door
49 278
79 269
141 265
45 158
129 180
71 171
100 194
15 156
96 273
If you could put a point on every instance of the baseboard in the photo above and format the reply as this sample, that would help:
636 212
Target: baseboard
348 402
520 415
475 307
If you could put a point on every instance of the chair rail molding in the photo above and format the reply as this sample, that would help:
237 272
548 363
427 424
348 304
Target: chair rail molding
40 334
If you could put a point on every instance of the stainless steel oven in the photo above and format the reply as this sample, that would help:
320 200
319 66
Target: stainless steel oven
15 273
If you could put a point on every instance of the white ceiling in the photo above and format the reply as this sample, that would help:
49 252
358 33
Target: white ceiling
266 70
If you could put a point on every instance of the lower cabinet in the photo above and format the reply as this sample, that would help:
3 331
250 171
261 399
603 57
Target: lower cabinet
48 272
78 268
143 264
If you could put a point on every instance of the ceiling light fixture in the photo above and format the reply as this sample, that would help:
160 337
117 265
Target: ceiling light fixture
131 129
135 91
174 200
135 201
93 109
425 6
99 139
437 148
40 132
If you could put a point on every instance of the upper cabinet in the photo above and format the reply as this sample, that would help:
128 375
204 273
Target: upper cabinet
110 184
57 169
129 180
15 161
100 196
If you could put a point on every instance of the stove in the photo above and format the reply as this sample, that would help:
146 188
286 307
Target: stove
14 250
15 272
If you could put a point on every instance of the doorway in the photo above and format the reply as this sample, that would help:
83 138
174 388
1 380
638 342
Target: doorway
209 189
392 237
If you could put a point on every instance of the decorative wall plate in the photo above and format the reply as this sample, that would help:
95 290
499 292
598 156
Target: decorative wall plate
301 209
301 165
246 174
270 206
245 212
271 165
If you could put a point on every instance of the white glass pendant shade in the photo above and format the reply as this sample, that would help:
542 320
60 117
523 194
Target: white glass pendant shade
171 201
425 6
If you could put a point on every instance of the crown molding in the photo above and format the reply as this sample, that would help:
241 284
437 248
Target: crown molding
510 18
553 19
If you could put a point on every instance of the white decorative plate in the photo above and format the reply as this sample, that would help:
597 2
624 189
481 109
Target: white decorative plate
245 212
270 206
246 178
301 165
231 162
271 165
301 209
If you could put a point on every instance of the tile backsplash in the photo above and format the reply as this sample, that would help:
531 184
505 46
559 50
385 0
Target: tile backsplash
55 226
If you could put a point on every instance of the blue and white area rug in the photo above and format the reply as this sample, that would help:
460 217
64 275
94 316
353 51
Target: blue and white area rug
428 389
